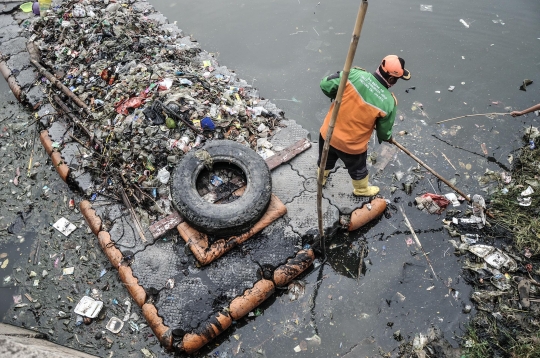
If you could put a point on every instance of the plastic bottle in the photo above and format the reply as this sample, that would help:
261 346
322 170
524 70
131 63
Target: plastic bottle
44 5
198 140
213 110
185 139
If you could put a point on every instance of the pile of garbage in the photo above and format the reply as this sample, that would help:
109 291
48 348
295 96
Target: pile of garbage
499 246
152 94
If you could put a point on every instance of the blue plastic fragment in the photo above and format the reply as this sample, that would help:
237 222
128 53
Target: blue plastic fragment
79 320
207 123
216 181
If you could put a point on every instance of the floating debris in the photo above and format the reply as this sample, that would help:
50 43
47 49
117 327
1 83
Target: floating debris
453 199
88 307
526 82
467 25
64 226
432 203
494 257
115 325
296 290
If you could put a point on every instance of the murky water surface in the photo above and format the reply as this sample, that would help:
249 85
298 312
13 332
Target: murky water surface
284 48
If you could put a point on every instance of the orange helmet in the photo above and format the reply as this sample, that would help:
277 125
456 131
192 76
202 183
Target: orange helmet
395 66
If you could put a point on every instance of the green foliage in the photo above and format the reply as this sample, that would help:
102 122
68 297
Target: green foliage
475 347
522 221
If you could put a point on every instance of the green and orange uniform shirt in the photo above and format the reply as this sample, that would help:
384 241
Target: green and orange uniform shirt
366 105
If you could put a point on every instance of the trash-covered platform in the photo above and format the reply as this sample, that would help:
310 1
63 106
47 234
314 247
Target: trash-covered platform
188 304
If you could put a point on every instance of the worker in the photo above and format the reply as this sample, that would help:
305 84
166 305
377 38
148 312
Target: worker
525 111
366 104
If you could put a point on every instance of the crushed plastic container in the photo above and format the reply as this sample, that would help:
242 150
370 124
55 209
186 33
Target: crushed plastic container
26 7
115 325
453 199
64 226
88 307
164 175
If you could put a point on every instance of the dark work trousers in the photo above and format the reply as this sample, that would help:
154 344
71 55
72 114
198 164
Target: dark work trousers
355 163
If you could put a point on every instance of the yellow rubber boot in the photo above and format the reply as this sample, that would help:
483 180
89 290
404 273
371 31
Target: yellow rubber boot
326 174
361 188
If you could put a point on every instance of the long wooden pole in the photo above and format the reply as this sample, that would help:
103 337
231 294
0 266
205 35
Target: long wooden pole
337 103
35 60
474 115
393 141
408 223
128 205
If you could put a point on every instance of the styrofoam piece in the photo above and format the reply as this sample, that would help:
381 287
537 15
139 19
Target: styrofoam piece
88 307
64 226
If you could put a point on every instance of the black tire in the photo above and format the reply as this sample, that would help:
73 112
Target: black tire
222 219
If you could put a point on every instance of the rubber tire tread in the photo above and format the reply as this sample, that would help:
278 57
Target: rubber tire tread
222 219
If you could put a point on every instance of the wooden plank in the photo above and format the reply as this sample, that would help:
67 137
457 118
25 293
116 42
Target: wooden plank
288 153
277 159
161 227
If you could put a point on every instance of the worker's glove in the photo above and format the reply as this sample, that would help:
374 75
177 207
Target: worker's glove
391 140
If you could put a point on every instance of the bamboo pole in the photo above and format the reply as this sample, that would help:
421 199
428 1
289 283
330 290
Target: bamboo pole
76 120
32 152
35 59
136 222
393 141
474 115
337 103
408 223
361 263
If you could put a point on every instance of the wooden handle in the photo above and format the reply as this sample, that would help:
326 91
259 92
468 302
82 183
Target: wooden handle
393 141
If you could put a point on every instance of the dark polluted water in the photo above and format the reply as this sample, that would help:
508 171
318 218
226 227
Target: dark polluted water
284 48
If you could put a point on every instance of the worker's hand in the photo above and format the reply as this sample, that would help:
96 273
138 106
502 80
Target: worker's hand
391 140
516 113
